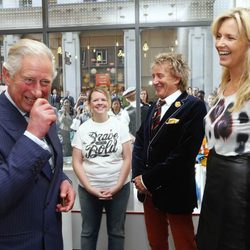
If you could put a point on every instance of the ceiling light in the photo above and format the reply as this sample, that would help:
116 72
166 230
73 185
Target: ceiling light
145 46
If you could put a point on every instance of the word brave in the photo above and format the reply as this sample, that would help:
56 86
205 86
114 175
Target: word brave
101 145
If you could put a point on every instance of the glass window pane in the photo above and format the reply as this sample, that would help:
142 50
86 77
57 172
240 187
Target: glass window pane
153 11
55 44
23 14
6 41
102 59
85 13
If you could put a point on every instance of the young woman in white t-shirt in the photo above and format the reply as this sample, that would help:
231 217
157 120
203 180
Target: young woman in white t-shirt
102 163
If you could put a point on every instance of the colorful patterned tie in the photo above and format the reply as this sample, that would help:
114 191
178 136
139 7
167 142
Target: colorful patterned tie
157 115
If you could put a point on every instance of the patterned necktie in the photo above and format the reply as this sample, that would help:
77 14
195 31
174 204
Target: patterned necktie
51 160
27 116
157 115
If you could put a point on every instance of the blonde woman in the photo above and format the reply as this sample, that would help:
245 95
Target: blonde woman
225 214
102 163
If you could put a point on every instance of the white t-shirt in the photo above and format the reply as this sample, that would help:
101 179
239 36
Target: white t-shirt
101 145
228 132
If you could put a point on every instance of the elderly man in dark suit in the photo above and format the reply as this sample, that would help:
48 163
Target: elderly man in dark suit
164 155
34 190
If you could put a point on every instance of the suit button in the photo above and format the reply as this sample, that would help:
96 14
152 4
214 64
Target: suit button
147 165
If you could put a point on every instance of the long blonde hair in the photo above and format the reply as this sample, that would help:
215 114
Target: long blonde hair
242 18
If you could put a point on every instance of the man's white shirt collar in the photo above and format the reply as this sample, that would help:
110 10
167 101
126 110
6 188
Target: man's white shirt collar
171 98
11 100
169 101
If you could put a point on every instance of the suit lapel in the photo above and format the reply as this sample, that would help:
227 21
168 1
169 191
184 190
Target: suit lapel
14 124
53 139
56 145
177 104
151 115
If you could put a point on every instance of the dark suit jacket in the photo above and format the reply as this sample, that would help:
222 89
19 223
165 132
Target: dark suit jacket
28 191
166 160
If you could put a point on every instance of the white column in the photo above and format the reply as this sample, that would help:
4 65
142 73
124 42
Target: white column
200 59
71 63
129 62
8 41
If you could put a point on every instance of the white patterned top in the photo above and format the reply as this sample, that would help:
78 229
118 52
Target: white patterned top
228 132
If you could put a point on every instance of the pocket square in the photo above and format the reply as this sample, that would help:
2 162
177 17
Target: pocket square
172 121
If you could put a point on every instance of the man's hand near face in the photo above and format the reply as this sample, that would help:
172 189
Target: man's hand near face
42 115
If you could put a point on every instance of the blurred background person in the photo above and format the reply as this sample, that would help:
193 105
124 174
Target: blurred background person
118 112
144 97
102 163
55 99
70 98
195 91
190 90
211 99
201 96
81 101
82 109
130 95
65 118
82 115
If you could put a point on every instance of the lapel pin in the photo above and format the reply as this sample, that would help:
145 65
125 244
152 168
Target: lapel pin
177 104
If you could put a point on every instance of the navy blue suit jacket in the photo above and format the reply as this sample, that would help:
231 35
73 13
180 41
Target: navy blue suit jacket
166 160
28 190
